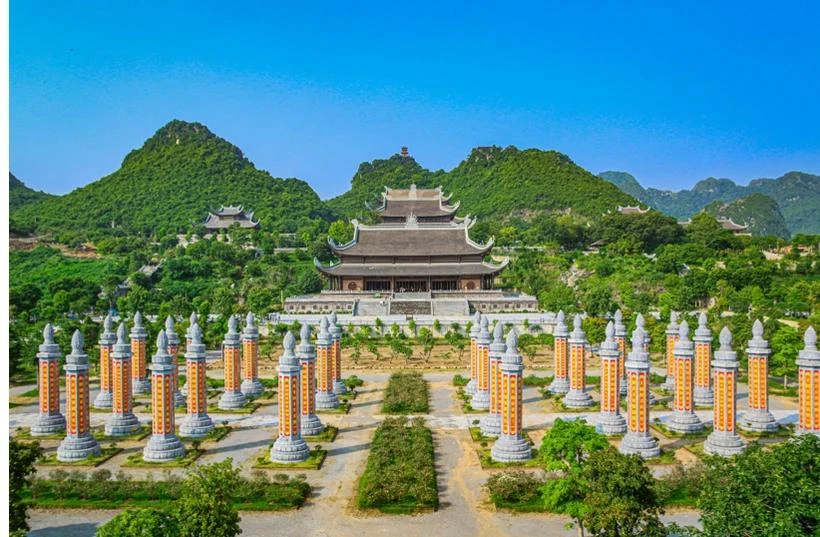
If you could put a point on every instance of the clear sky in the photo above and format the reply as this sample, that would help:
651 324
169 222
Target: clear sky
672 92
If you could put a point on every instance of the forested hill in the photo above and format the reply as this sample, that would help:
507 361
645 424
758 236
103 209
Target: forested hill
493 183
169 185
797 195
20 194
758 211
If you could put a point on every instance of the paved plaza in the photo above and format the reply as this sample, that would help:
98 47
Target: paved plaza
464 510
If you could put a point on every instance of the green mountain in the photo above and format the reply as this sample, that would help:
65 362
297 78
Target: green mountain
20 194
170 184
797 195
492 183
758 211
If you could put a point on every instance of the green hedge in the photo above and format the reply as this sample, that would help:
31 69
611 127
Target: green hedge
400 476
406 393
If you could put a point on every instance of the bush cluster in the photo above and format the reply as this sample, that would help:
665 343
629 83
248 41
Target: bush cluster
400 475
514 487
405 393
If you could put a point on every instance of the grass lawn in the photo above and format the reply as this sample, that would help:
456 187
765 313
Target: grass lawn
99 434
343 408
135 460
667 456
105 454
249 408
313 462
668 433
24 433
217 434
406 393
783 431
328 435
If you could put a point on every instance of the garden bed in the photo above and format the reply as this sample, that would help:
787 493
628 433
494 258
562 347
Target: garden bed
105 454
328 435
487 462
406 393
99 434
313 462
249 408
217 434
400 475
343 408
135 460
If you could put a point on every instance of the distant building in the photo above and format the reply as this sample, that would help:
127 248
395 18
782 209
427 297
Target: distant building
225 217
726 223
632 210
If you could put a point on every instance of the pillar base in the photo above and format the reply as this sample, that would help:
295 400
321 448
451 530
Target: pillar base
471 387
511 449
232 400
289 449
104 400
180 399
122 424
140 386
703 396
480 400
77 448
640 444
163 448
311 425
723 444
339 387
578 399
611 423
669 384
252 388
559 386
684 423
326 400
48 424
196 426
491 425
759 421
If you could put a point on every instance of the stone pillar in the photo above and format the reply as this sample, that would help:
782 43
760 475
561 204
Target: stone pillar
511 445
638 439
251 385
684 420
703 356
50 421
105 397
641 323
196 423
123 422
163 444
610 421
306 353
491 423
192 320
560 382
139 357
232 397
577 396
724 440
336 335
173 350
325 398
758 418
808 364
620 340
289 446
672 330
481 397
78 443
474 330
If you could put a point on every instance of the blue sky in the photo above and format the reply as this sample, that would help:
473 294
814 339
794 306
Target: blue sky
672 93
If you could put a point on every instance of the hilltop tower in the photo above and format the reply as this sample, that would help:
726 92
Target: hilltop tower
50 420
78 443
105 397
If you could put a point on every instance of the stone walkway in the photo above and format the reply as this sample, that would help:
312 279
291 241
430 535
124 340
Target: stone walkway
330 511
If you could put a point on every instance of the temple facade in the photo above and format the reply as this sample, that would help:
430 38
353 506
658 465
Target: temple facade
418 247
225 217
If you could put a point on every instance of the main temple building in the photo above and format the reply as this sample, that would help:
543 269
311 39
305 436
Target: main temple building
419 252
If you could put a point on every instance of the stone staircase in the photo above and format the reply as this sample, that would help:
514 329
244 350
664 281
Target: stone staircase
410 307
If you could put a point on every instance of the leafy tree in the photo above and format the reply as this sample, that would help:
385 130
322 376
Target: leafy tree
427 341
141 523
206 507
568 443
22 457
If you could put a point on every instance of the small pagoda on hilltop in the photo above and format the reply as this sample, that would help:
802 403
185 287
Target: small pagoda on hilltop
419 246
225 217
726 223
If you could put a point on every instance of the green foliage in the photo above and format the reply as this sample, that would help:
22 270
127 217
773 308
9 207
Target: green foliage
405 393
568 443
758 211
514 487
20 194
400 475
764 492
141 523
636 233
22 456
206 505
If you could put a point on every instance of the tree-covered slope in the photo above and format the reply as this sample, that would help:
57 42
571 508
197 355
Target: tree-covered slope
493 183
758 211
170 184
20 194
797 194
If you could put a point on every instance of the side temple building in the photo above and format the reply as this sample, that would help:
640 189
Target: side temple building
420 251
